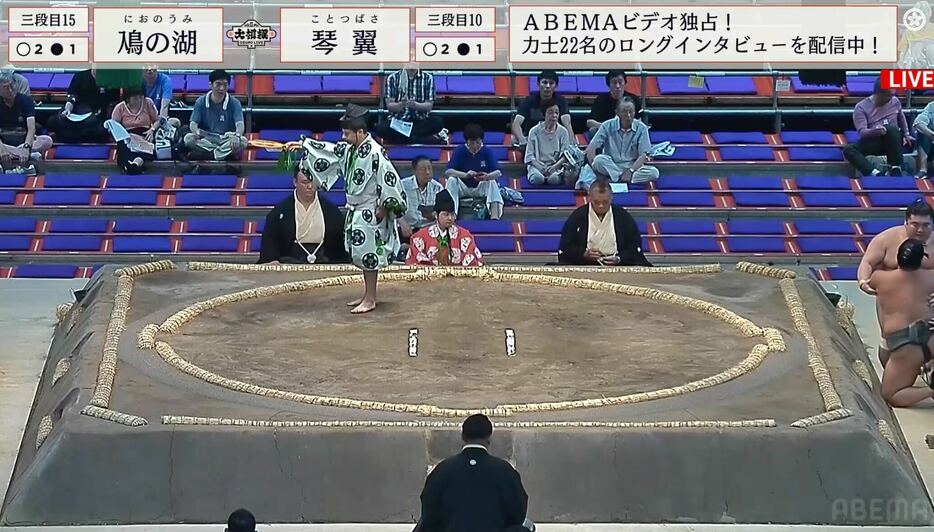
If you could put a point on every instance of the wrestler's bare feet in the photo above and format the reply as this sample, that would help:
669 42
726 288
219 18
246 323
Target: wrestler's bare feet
355 302
364 307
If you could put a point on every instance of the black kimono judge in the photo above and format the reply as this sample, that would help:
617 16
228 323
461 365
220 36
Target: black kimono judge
309 230
473 491
601 233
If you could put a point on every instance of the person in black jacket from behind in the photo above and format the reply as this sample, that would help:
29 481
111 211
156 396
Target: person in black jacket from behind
601 233
473 491
305 213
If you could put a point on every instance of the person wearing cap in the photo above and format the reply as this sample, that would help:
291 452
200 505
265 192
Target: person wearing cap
443 243
883 130
375 198
304 228
902 305
474 491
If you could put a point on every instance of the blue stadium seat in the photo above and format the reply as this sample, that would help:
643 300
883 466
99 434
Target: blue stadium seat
540 244
679 226
760 199
209 181
407 153
822 182
494 244
687 182
228 244
817 226
129 197
45 271
677 137
827 244
685 199
332 136
830 153
291 84
799 86
489 137
480 85
874 227
15 242
677 85
756 244
202 197
71 243
690 244
633 198
134 181
142 225
84 152
842 273
256 244
689 153
479 227
38 81
887 183
500 153
12 180
807 137
590 84
259 226
754 182
860 85
538 227
269 181
79 225
17 225
215 225
739 137
265 198
730 85
337 84
551 198
829 199
746 153
755 226
337 197
62 197
852 137
142 244
60 82
72 181
893 199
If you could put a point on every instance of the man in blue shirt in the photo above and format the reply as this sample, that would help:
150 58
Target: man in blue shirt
158 87
625 144
18 139
217 121
473 171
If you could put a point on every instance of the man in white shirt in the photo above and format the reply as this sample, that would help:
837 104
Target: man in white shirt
420 191
625 143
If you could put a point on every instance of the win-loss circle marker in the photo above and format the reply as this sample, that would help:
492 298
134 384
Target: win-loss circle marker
463 48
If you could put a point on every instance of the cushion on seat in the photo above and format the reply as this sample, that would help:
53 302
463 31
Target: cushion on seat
674 85
687 227
12 180
45 271
142 244
540 244
676 137
747 153
823 182
633 198
882 182
739 137
549 198
72 181
269 181
71 243
817 226
209 181
799 86
487 226
15 242
685 199
142 225
338 84
491 244
689 153
79 225
88 152
756 244
841 273
892 199
467 85
60 82
332 136
874 227
756 226
690 244
407 153
337 197
38 81
537 227
292 84
760 199
826 244
754 182
17 225
689 182
265 198
129 197
228 244
134 181
202 197
726 85
830 153
591 85
215 225
62 197
851 136
807 137
829 199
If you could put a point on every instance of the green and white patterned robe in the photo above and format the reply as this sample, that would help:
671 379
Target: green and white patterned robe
371 182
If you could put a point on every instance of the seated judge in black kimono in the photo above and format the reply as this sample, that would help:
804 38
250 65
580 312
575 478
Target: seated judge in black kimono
601 233
304 228
473 491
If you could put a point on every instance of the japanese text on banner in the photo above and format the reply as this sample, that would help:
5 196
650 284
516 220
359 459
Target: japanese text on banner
695 34
182 34
345 35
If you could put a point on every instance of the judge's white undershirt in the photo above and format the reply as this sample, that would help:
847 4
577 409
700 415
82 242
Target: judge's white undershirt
474 446
601 234
309 222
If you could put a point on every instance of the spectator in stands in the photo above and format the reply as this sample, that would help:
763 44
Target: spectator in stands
420 191
625 143
473 490
304 228
20 83
530 110
19 143
548 156
604 106
241 521
924 126
158 87
88 105
473 171
601 233
883 130
133 124
410 97
443 243
217 122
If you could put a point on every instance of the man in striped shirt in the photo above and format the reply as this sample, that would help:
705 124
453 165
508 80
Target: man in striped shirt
410 97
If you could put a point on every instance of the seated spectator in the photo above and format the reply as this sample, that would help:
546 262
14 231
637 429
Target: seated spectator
241 521
604 106
625 143
420 192
443 243
18 141
883 130
20 83
924 126
217 122
601 233
530 110
88 105
304 228
410 97
158 87
551 157
473 171
133 125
